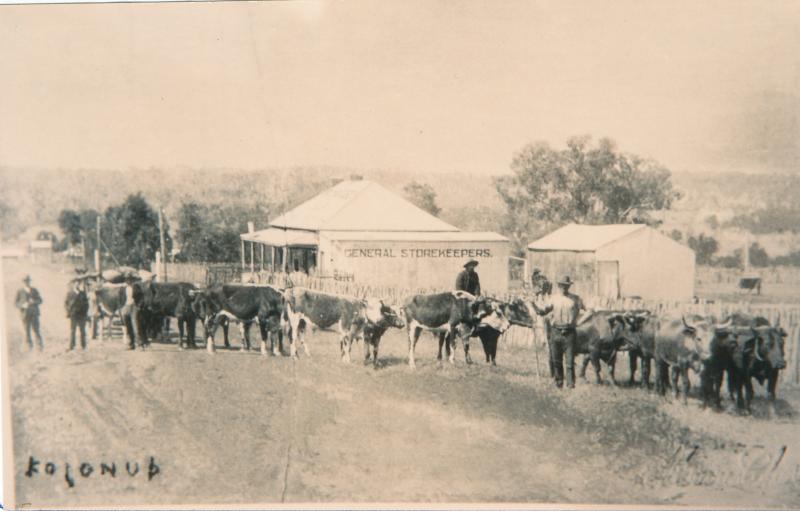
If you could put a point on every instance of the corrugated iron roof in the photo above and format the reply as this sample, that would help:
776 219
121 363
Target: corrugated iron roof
411 236
360 206
584 238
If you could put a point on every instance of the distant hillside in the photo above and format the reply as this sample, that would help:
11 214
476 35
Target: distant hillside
36 197
468 201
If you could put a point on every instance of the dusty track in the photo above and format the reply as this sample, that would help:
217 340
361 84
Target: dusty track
238 427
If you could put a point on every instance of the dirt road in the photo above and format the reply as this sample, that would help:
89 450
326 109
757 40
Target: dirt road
239 427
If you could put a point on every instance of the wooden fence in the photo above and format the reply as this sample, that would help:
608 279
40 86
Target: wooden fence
706 276
201 274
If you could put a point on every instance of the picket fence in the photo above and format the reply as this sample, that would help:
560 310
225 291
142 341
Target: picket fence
201 274
789 314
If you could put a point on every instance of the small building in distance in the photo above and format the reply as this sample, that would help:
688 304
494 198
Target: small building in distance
616 261
359 231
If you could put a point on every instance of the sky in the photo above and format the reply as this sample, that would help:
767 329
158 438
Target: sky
422 86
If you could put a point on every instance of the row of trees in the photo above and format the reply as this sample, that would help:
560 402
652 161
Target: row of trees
706 247
205 232
129 232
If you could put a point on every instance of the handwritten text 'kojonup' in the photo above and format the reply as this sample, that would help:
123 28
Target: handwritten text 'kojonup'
87 470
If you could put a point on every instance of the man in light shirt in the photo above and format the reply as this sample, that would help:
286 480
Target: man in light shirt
564 309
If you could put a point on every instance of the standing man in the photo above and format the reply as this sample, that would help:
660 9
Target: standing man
542 289
468 279
539 283
564 308
28 301
77 307
136 322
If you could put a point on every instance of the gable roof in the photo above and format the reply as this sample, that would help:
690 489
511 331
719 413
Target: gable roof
360 206
584 238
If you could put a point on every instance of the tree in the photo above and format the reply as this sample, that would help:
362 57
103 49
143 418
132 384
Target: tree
758 255
79 227
733 260
211 233
422 195
69 222
676 235
131 232
581 183
9 225
704 248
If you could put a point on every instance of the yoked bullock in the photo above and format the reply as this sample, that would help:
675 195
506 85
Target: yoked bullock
109 300
159 300
748 347
599 335
243 302
676 343
354 318
450 314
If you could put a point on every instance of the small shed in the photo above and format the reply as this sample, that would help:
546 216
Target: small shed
41 250
616 261
359 231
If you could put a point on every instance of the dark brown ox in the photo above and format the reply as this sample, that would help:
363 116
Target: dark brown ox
442 312
160 300
757 351
599 336
245 303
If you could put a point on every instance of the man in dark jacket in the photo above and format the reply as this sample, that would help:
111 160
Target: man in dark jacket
77 307
468 279
28 301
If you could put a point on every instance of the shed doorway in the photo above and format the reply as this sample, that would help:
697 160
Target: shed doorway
608 279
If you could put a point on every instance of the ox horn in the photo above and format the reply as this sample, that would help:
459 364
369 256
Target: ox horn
724 327
778 320
688 325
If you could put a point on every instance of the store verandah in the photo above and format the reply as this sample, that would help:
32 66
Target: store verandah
276 250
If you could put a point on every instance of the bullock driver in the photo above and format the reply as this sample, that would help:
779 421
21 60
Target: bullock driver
77 307
28 301
468 279
564 308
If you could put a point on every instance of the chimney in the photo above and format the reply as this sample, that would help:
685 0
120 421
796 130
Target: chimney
251 227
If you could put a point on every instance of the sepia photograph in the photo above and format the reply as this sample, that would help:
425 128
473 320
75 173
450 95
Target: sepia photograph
400 254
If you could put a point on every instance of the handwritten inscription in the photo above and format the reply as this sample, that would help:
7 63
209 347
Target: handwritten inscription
86 470
418 252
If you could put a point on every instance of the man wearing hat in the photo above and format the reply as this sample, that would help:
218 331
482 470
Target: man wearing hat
564 308
468 279
28 301
77 307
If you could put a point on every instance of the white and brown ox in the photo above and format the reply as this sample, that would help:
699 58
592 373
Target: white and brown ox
350 315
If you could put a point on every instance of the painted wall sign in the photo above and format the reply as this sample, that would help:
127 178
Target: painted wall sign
418 252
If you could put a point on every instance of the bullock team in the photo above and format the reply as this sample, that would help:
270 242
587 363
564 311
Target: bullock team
742 347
